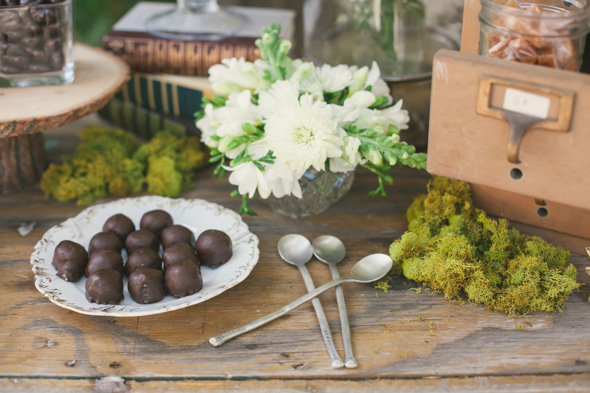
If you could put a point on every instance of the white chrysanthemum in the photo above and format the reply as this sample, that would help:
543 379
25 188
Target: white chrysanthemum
234 75
276 178
238 110
282 94
304 135
326 79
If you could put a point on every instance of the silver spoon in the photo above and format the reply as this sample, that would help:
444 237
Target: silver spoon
331 250
370 268
296 250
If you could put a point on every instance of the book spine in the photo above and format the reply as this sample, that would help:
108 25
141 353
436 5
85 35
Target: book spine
143 122
171 98
156 55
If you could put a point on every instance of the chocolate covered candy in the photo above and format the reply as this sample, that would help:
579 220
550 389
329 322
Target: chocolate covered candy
156 221
105 258
146 285
70 260
38 32
142 238
179 252
183 278
177 234
104 287
143 257
105 240
119 224
214 248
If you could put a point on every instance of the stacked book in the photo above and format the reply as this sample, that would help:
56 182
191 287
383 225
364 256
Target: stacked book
169 77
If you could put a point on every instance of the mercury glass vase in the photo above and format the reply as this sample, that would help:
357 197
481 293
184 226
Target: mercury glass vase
319 191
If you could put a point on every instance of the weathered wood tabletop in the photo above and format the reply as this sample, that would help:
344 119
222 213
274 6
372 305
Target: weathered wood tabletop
407 339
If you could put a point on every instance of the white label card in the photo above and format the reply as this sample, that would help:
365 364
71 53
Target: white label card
526 103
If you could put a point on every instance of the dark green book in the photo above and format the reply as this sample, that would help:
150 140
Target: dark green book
171 95
144 122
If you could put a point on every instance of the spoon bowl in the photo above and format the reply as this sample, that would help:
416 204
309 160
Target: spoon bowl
371 268
295 249
329 249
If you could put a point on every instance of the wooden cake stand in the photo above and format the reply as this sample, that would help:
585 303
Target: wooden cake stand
26 112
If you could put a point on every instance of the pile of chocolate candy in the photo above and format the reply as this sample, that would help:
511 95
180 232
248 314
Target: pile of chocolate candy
33 36
150 276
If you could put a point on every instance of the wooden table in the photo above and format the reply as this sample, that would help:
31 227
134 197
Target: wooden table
405 340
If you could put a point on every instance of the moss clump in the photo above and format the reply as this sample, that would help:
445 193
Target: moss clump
112 162
458 250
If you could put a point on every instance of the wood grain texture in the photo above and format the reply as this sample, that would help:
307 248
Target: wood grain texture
471 27
408 338
22 162
99 75
555 384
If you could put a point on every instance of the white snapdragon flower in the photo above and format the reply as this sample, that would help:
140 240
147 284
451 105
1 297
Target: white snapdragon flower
238 110
234 75
397 115
380 120
350 156
379 86
304 135
326 79
208 126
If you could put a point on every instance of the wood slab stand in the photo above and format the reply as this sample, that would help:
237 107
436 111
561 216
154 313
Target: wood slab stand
27 112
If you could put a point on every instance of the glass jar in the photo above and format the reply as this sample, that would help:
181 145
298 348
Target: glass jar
319 191
549 33
36 43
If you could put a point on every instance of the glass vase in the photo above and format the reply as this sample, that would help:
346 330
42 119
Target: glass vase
319 190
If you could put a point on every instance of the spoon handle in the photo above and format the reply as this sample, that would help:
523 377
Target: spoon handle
324 326
222 338
350 361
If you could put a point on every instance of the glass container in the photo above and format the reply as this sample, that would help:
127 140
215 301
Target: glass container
319 191
550 33
196 20
36 43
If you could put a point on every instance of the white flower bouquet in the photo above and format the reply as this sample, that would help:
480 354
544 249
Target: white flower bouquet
273 119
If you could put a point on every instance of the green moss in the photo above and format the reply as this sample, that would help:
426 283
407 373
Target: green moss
112 162
459 251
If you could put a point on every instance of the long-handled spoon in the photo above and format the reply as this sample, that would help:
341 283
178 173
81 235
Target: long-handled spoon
368 269
296 250
331 250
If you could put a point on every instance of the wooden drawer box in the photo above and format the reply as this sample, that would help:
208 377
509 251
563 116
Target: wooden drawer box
546 181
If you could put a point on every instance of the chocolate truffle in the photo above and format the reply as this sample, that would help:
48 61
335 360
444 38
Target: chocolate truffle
119 224
214 248
142 238
105 240
146 285
156 221
179 252
183 278
70 260
105 258
177 234
104 287
143 257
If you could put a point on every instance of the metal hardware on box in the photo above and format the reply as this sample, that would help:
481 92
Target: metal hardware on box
557 117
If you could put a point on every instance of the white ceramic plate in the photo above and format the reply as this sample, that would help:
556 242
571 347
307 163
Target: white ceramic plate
195 214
